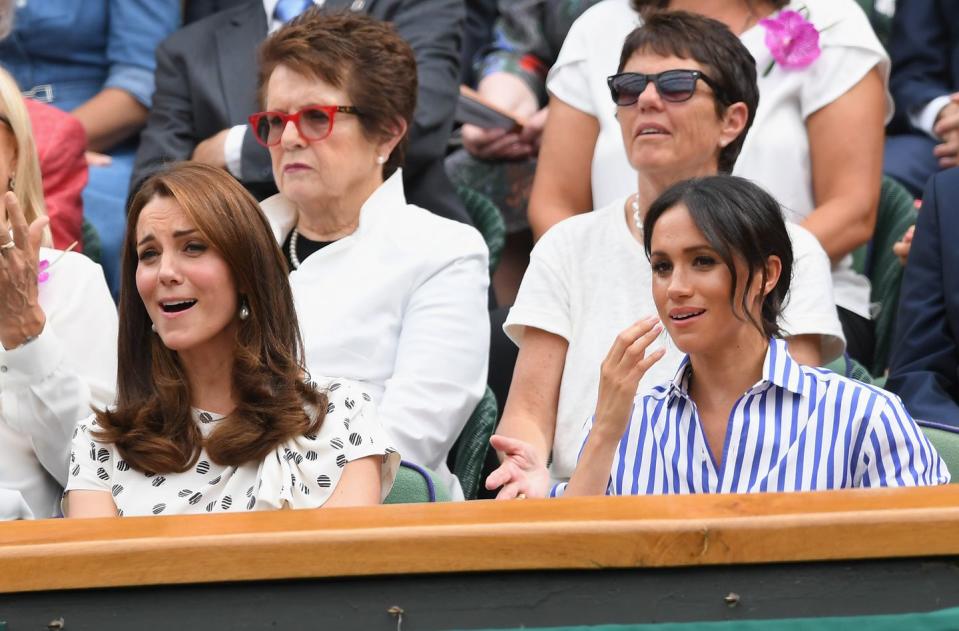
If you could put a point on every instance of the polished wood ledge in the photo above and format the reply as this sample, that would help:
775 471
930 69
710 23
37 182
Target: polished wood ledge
583 533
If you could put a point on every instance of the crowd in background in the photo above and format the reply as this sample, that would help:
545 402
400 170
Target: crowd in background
267 243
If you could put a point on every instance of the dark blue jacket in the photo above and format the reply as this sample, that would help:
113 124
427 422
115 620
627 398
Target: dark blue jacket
925 362
924 49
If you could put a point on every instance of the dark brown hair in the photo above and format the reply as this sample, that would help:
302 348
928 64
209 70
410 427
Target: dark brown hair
358 54
741 222
710 43
151 424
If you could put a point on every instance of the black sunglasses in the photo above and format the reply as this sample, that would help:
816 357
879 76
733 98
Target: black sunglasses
674 86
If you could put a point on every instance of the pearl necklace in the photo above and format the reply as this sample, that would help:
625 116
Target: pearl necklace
293 257
637 219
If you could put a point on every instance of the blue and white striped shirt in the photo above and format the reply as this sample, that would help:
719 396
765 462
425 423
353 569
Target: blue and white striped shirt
797 429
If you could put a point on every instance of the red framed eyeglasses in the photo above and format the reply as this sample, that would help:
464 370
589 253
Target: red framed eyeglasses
314 122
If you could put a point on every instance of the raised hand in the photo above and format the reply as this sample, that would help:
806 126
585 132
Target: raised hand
621 371
21 318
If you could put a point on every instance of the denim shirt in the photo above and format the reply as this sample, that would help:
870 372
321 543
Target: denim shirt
79 47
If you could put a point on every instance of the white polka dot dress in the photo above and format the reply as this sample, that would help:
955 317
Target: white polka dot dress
300 473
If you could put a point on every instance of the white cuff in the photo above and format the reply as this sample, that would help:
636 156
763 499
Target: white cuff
233 150
32 362
925 118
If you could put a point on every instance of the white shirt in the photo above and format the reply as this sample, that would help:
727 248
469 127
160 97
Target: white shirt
301 472
588 279
47 386
776 150
796 429
400 305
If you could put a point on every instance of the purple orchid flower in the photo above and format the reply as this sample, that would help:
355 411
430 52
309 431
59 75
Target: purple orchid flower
43 274
792 40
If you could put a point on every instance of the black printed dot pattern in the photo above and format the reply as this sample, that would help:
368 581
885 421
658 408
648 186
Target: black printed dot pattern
310 467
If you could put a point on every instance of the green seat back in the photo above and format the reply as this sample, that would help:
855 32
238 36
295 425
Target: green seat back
487 219
91 242
897 211
415 485
881 23
947 444
849 367
468 454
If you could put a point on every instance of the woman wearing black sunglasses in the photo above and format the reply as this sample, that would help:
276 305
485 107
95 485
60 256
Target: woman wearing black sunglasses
387 293
684 97
817 142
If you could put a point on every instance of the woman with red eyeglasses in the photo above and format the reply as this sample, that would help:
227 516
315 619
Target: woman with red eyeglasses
387 293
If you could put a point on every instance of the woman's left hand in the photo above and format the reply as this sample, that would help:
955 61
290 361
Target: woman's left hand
21 317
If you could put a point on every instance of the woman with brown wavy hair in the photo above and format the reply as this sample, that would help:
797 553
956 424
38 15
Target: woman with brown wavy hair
214 410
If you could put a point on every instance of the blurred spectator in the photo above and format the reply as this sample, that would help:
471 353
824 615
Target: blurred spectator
477 34
924 134
816 144
201 109
924 368
94 58
511 75
58 331
61 144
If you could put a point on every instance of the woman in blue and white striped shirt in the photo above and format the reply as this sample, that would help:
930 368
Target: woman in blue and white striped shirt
740 415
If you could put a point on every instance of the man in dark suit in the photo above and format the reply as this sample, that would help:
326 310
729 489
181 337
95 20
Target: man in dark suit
206 88
924 48
924 369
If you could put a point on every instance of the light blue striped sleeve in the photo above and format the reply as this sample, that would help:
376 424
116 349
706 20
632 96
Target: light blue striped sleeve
899 453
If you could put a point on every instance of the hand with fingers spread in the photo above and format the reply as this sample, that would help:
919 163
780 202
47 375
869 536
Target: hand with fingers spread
522 473
621 372
21 317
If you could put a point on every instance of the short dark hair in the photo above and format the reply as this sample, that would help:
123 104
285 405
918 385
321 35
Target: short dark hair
710 43
363 56
740 221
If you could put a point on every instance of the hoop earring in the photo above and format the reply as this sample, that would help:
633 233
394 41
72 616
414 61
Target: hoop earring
12 184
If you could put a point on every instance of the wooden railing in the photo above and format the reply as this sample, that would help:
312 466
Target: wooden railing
480 536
